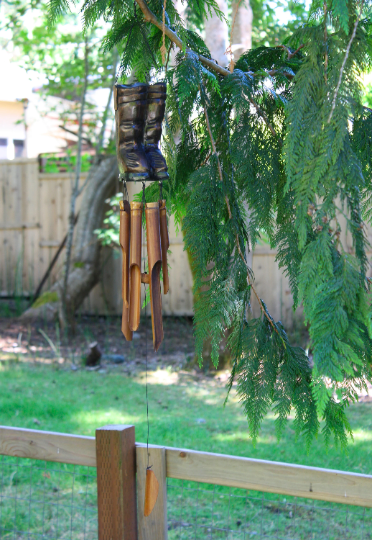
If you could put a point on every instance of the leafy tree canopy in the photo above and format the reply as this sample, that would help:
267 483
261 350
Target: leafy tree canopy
281 144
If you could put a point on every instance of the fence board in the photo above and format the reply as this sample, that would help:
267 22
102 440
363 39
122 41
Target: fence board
269 476
47 445
155 525
246 473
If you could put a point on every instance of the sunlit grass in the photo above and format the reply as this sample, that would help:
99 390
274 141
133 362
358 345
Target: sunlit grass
184 412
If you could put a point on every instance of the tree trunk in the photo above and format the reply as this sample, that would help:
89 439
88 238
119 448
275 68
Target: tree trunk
85 267
65 313
242 30
216 35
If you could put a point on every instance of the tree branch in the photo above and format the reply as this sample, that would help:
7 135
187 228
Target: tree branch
289 52
347 52
265 118
150 17
237 243
64 315
76 135
325 9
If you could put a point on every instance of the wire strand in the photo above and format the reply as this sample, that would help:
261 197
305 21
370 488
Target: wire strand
144 285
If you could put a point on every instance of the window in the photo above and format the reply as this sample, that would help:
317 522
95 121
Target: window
18 148
3 148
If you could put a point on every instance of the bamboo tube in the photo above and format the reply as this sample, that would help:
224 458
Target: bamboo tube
125 247
135 265
164 244
154 262
124 237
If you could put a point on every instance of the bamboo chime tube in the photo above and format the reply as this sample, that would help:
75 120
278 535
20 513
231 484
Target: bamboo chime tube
164 244
124 243
154 263
135 265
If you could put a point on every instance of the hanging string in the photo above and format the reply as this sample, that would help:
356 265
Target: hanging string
125 190
163 50
144 286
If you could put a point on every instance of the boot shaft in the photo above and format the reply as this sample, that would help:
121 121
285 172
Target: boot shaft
130 112
130 116
156 97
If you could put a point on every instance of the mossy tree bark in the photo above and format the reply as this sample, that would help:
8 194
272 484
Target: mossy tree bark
85 261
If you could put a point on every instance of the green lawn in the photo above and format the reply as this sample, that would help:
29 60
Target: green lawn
185 411
188 413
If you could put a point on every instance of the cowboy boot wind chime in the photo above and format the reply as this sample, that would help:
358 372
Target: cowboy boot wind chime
139 112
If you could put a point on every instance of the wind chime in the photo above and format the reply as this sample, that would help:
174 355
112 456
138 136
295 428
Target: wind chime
139 112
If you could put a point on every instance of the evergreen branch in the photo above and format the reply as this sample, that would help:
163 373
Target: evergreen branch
272 73
227 200
347 52
168 56
289 52
265 118
150 17
325 42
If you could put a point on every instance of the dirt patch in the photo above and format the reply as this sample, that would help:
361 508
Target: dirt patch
44 343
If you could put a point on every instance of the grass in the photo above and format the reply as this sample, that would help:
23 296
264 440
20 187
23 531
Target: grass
187 411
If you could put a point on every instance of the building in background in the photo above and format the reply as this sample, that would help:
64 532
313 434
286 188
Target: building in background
30 122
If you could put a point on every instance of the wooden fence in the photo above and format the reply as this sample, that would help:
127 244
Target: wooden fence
34 211
121 469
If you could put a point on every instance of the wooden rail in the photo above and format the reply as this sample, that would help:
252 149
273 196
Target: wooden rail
47 445
268 476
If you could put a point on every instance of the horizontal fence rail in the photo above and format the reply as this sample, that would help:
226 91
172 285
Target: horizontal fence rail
48 446
252 474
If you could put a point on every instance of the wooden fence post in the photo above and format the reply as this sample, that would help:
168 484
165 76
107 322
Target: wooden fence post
116 483
154 526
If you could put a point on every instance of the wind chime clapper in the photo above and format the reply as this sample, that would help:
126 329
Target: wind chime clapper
139 112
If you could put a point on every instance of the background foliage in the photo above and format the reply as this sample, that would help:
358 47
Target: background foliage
280 145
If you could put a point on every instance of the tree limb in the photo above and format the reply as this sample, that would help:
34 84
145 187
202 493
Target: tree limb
150 17
289 52
347 52
76 135
237 243
75 190
265 118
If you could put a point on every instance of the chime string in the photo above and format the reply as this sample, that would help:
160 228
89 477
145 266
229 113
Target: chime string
144 285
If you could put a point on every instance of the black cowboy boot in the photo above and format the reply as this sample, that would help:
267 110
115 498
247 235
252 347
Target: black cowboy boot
156 96
130 115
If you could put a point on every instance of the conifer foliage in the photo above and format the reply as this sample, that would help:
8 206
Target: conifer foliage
280 145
